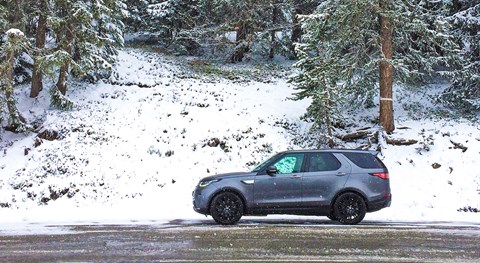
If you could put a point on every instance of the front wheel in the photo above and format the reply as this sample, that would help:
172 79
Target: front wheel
226 208
332 217
349 209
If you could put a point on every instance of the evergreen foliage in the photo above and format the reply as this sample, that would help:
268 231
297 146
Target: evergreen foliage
3 16
13 43
262 27
319 81
97 33
135 15
339 47
464 93
348 33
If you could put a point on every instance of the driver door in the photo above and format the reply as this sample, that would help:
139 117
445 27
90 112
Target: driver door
282 190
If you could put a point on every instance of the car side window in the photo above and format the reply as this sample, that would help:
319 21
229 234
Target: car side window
365 160
320 162
290 163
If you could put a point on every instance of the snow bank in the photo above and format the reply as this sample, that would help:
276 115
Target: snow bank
136 146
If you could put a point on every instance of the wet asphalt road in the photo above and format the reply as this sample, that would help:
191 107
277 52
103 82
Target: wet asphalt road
252 240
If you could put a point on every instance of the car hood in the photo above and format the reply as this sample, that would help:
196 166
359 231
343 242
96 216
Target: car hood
228 175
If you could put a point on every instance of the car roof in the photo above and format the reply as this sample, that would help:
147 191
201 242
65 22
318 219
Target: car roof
333 151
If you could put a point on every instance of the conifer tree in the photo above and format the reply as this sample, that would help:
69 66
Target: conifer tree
40 38
88 34
464 93
318 80
356 33
3 17
13 43
136 16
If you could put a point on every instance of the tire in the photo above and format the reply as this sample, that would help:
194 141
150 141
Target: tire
226 208
332 217
349 208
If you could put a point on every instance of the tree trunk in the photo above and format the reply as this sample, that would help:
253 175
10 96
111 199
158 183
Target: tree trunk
271 54
327 110
37 77
241 45
63 75
16 119
386 69
17 15
296 30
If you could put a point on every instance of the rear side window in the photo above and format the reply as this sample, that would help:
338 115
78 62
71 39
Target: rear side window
319 162
364 160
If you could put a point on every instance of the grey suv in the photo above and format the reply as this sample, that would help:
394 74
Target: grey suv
341 184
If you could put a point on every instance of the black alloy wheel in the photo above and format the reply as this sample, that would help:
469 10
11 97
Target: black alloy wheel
227 208
349 209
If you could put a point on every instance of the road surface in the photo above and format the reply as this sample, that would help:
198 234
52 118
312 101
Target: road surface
255 240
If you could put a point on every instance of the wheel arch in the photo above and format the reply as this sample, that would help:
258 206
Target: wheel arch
349 190
231 190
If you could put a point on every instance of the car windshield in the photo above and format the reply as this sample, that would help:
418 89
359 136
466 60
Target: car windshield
265 163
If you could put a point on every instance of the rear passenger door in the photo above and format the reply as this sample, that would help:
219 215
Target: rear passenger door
325 174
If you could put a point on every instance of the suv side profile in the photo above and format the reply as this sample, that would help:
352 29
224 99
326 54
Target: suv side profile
341 184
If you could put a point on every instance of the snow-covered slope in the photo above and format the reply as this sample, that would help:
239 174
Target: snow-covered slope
134 148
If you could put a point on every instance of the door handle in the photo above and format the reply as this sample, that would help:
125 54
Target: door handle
295 177
340 174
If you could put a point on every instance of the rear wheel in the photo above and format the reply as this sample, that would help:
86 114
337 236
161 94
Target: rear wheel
227 208
349 208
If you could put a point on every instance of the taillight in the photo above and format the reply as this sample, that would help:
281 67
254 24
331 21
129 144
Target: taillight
381 175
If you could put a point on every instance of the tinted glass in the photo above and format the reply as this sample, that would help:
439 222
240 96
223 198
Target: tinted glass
290 163
364 160
319 162
264 164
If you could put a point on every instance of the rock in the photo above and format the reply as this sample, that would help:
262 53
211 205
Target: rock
214 142
49 135
37 142
436 165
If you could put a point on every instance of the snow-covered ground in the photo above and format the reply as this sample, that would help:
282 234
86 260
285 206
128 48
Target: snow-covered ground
134 148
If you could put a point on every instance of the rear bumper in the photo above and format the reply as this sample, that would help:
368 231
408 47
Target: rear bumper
378 204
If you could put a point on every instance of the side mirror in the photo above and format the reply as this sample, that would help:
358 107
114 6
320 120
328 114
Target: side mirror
271 170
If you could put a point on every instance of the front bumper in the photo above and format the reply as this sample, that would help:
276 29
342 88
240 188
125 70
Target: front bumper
200 201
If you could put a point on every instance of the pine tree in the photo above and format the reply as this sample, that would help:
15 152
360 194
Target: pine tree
107 28
3 16
464 93
136 15
356 33
171 16
14 43
261 27
88 34
294 9
40 38
319 81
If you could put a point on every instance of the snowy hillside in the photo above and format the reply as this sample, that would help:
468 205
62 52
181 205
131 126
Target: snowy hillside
135 147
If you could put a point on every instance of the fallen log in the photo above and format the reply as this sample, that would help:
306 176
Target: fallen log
400 141
354 136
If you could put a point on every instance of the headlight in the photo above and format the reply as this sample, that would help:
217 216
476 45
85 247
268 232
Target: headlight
203 184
